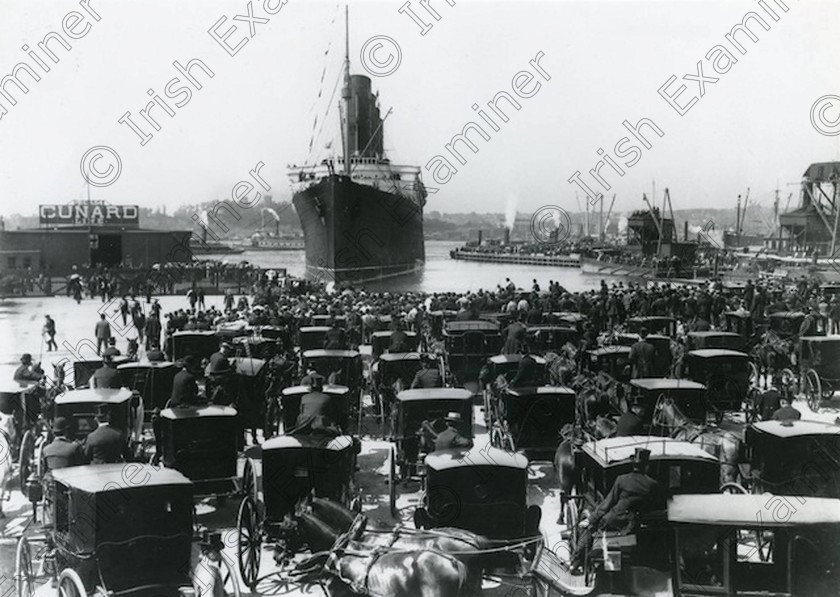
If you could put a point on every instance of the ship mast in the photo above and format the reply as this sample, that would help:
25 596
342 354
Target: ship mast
345 93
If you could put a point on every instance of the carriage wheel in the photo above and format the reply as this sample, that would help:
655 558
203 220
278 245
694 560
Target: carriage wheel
249 547
23 569
755 377
70 584
813 390
733 487
230 583
392 482
571 516
26 460
751 410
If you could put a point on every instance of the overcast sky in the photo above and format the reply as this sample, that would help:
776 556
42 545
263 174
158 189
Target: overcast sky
606 62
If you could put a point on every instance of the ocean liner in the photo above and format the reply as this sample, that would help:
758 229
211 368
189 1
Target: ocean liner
362 216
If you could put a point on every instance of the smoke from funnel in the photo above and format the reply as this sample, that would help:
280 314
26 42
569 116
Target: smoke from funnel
510 211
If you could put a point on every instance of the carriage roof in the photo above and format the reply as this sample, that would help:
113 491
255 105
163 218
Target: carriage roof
648 337
622 449
835 340
198 412
335 354
94 395
712 353
101 478
787 429
527 392
549 327
194 333
145 365
434 394
610 350
745 509
457 458
656 383
327 389
285 442
570 315
501 359
482 325
387 333
398 357
314 328
16 387
713 334
643 318
738 314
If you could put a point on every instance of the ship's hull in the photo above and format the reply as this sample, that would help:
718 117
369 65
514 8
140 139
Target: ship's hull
356 233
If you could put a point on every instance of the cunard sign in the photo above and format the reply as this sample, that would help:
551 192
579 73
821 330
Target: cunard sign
89 214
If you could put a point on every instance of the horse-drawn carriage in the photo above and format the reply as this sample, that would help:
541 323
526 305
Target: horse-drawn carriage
794 458
571 319
284 470
380 341
394 372
312 337
739 322
468 344
339 404
662 355
657 394
819 361
727 375
500 370
438 320
529 419
21 402
198 343
481 491
711 544
654 324
116 530
786 324
83 370
202 443
414 408
322 320
715 339
551 338
151 380
614 361
340 367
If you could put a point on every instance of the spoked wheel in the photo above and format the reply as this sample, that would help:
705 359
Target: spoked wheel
229 579
70 584
571 516
751 405
733 487
249 547
813 390
24 582
754 376
392 482
26 460
249 481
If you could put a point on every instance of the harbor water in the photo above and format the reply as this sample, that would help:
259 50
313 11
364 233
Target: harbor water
440 274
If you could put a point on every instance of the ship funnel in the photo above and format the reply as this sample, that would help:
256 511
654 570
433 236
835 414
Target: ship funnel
507 236
479 238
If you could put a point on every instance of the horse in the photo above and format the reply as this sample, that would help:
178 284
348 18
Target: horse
772 356
7 441
375 559
562 366
724 445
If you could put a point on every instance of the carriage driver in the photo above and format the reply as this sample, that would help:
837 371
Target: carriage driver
632 494
27 371
427 376
185 386
105 444
318 411
219 373
63 451
450 437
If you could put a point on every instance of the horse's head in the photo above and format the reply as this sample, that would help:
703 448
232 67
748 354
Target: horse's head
7 427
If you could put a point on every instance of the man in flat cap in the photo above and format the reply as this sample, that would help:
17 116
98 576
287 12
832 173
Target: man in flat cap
632 494
27 371
451 437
